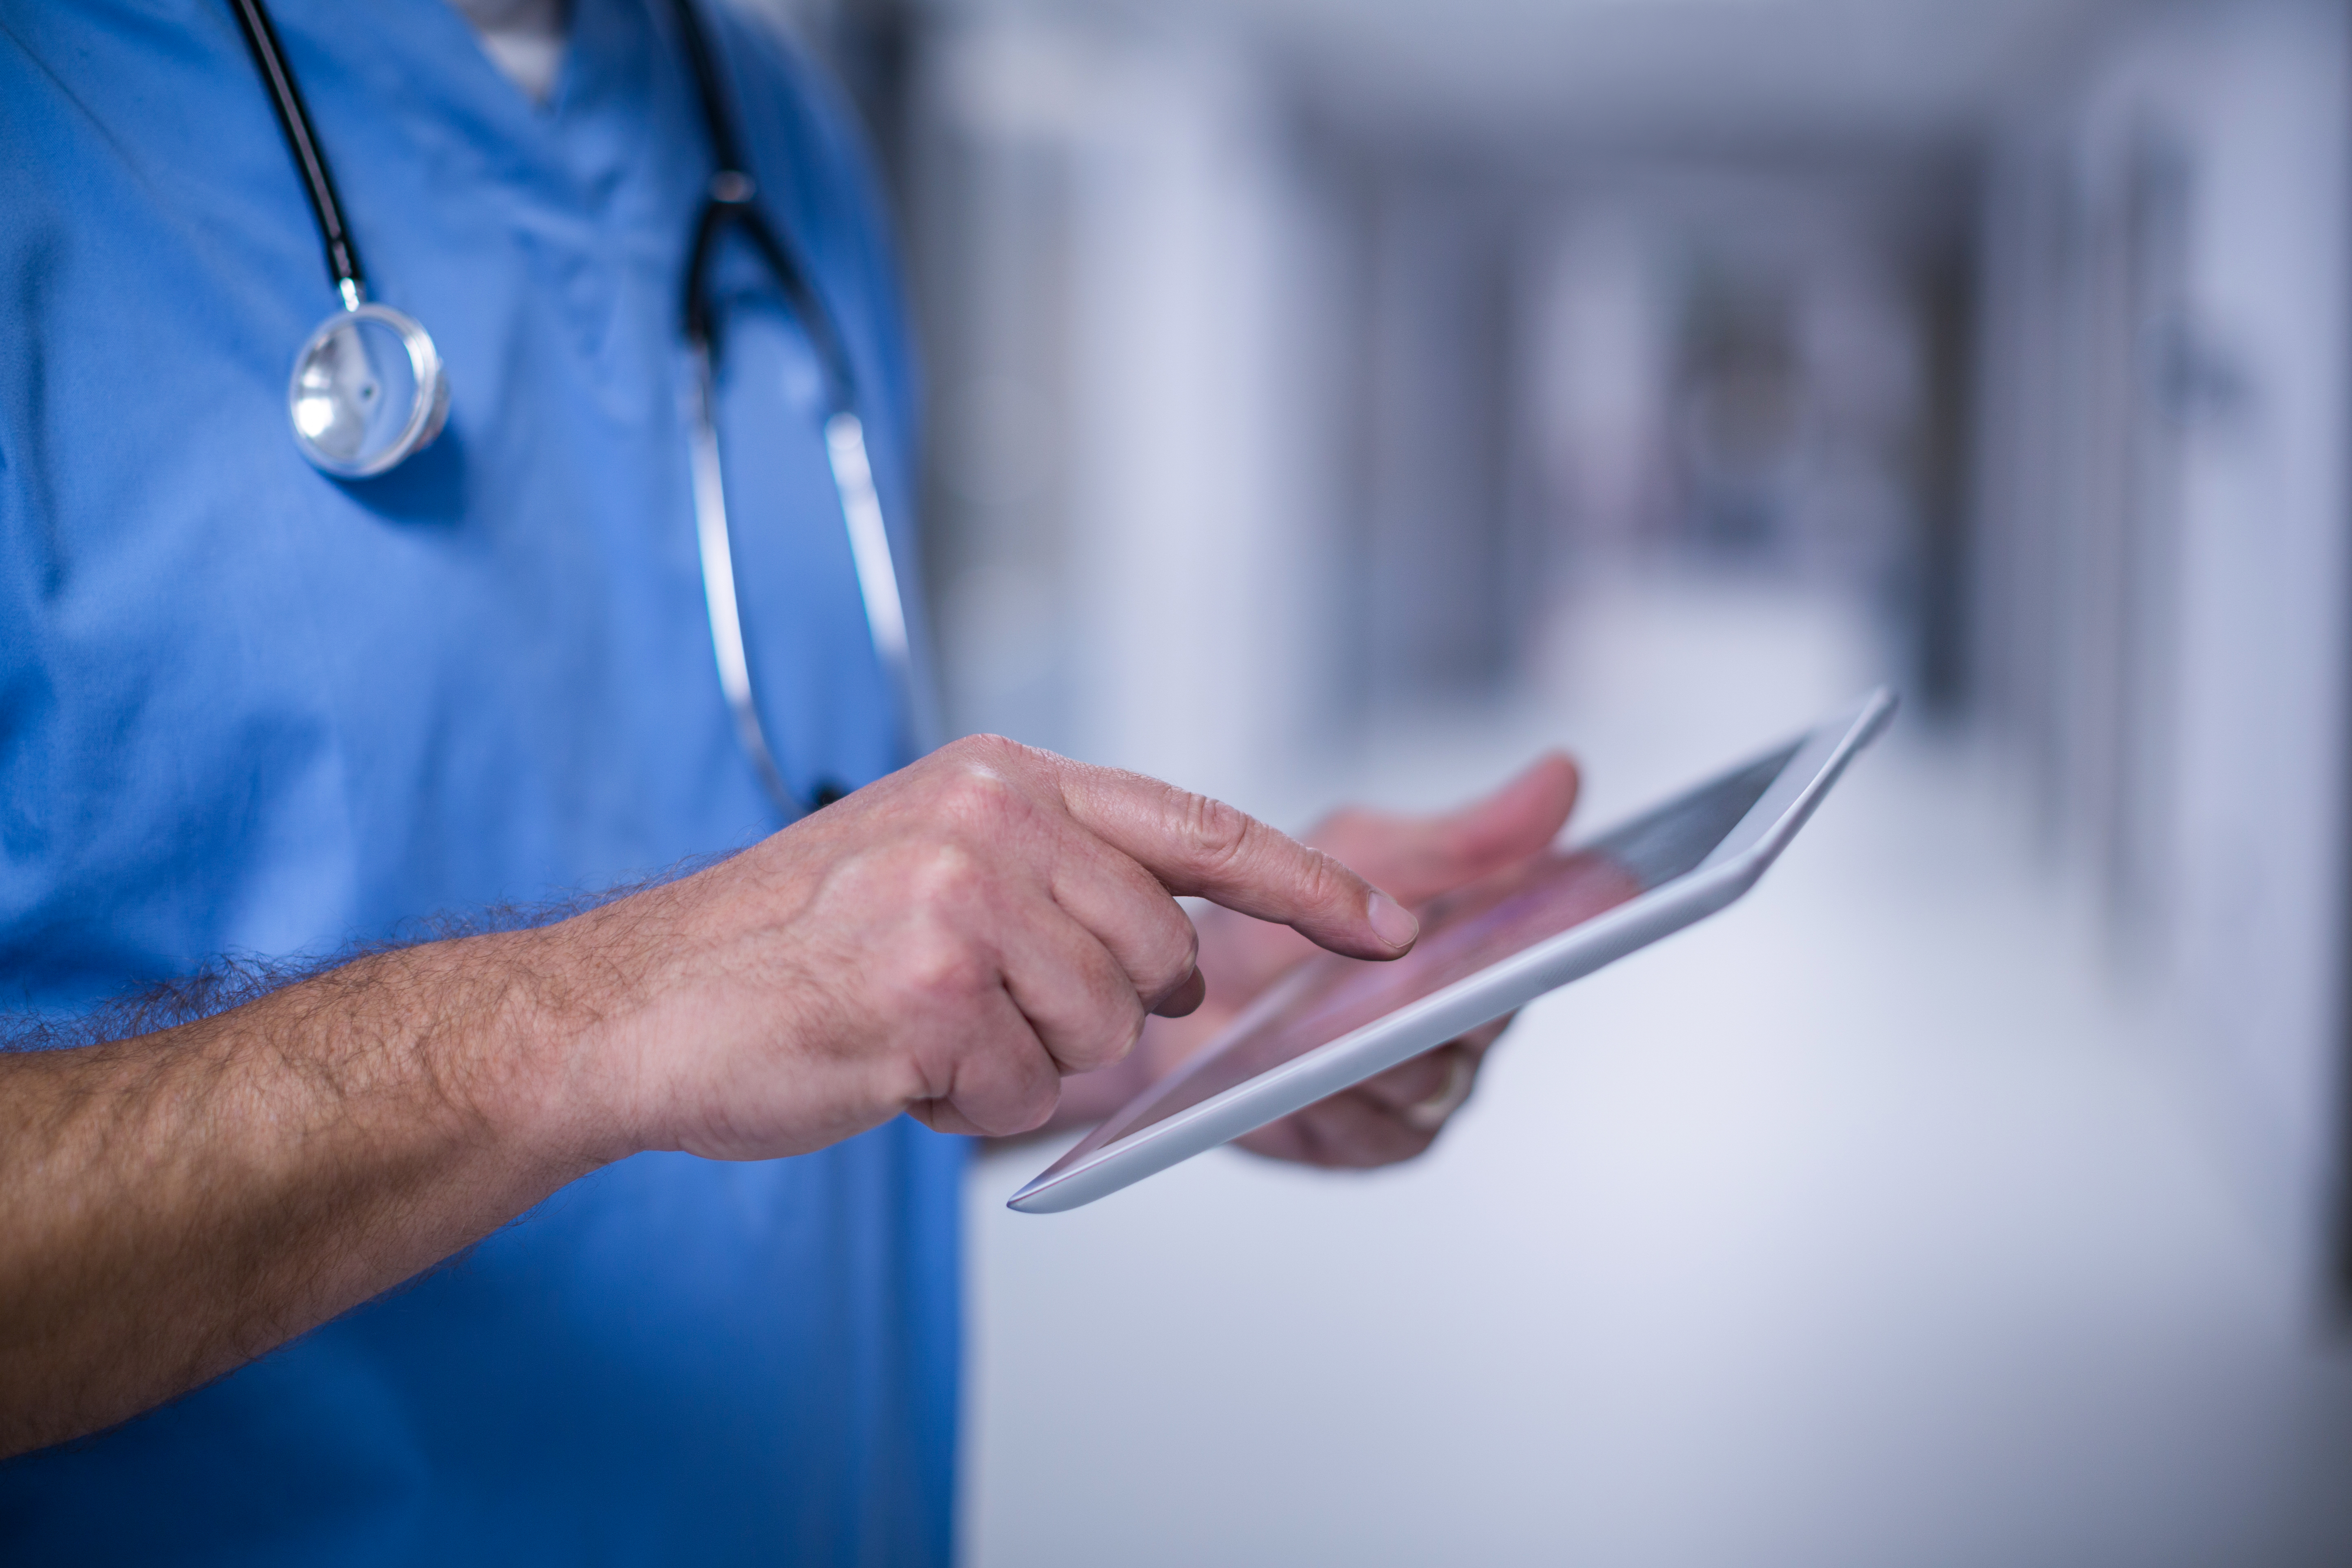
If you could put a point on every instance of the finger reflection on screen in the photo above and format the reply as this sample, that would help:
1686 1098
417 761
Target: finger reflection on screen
1328 997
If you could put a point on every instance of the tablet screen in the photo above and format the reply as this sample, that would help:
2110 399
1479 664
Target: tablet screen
1328 997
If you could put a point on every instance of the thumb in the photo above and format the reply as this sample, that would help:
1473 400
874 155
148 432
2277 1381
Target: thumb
1418 857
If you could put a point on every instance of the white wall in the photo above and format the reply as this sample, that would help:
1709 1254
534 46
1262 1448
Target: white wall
1194 317
2165 573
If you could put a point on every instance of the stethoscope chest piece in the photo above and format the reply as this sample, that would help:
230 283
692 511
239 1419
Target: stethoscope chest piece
368 392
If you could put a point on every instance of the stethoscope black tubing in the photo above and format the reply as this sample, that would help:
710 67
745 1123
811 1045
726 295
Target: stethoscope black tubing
734 193
294 119
731 198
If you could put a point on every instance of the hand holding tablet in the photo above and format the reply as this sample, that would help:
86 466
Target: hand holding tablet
1334 1021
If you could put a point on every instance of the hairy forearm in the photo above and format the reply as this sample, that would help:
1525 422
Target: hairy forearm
949 942
174 1204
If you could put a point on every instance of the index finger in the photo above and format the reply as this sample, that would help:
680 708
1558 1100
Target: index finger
1195 845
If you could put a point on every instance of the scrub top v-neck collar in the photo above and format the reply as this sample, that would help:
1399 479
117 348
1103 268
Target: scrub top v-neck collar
584 151
526 41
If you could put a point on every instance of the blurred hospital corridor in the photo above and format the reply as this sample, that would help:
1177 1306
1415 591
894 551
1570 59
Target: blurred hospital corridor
1343 402
1854 1227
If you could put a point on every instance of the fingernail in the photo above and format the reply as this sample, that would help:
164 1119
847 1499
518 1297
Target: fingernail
1392 921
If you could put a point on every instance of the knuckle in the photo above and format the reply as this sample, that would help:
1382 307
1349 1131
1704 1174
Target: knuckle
1323 882
980 797
943 970
1033 1107
1120 1031
990 753
1174 962
1215 834
948 875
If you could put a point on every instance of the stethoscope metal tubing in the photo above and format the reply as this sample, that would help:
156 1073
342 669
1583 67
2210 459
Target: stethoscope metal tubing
719 594
730 199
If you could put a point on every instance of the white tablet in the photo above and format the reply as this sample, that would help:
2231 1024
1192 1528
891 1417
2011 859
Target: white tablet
1498 944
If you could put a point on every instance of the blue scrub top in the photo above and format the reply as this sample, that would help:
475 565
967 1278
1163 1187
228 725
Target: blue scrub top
247 709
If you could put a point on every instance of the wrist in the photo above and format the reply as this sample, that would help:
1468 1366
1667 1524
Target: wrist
534 1077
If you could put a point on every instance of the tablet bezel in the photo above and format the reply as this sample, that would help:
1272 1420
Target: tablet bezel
1098 1167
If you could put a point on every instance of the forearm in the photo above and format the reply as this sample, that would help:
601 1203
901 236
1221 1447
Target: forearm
176 1205
948 942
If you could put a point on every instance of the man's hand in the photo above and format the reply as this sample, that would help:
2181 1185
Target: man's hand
949 942
1397 1114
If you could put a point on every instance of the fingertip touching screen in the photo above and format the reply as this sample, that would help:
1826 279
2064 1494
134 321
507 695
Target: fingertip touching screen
1329 996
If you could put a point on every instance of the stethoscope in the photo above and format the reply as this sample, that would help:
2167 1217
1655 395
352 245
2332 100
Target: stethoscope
369 390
